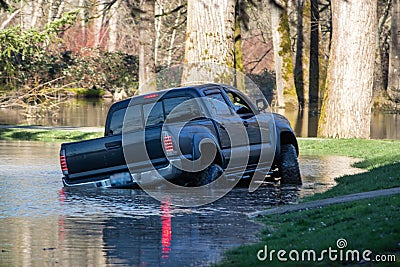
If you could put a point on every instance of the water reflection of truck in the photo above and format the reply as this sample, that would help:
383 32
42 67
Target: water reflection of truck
159 235
101 162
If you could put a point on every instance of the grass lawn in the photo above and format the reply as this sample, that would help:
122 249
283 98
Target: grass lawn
372 224
46 135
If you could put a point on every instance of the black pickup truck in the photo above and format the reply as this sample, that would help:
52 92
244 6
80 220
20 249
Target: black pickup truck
142 134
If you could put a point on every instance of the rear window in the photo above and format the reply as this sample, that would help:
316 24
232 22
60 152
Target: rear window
134 121
116 121
154 113
183 108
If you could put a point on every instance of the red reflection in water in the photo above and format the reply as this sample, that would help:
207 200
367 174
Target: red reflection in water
61 220
166 230
62 195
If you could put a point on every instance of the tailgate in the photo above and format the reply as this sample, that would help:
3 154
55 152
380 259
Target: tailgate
94 157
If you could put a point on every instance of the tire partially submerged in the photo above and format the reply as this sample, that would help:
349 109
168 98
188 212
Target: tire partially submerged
208 175
289 165
204 177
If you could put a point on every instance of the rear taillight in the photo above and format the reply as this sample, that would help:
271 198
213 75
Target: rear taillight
168 144
63 162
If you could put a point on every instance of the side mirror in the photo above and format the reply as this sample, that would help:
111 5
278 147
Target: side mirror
261 104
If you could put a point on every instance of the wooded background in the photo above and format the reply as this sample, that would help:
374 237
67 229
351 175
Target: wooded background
338 57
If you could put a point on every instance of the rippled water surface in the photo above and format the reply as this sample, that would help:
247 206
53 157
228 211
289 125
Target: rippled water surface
43 224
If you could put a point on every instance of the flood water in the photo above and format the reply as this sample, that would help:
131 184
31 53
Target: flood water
75 112
44 224
93 112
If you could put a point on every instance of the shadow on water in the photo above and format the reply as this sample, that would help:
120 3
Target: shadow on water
42 223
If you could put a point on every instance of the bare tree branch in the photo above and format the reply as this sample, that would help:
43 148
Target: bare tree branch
7 21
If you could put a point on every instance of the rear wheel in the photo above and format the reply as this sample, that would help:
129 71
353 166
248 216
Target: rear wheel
289 166
208 175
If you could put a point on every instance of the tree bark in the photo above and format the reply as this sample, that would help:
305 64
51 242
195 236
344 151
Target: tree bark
113 27
157 26
37 13
238 61
314 56
61 8
173 36
83 32
380 95
394 57
346 109
26 14
285 89
302 60
50 15
98 23
210 40
147 67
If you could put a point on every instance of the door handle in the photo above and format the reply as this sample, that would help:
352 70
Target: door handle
245 123
113 145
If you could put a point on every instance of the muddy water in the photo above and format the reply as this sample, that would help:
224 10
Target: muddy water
43 224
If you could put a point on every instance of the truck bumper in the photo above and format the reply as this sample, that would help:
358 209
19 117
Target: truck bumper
130 180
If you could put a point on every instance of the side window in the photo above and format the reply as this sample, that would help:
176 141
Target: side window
116 121
241 107
154 113
133 119
184 108
219 107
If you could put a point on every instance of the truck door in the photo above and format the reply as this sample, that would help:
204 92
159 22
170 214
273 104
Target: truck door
230 129
249 120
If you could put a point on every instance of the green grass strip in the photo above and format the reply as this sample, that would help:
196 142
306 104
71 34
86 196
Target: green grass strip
46 135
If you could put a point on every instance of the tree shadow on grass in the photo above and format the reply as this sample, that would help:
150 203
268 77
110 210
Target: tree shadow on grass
383 177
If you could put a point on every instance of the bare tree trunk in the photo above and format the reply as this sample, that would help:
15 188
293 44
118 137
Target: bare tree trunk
302 61
113 27
157 25
325 37
210 39
286 92
26 14
61 8
380 96
146 46
299 56
82 15
51 11
98 23
346 109
394 59
173 36
37 13
314 56
238 61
